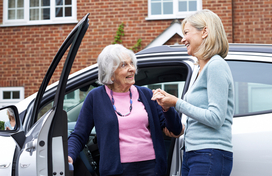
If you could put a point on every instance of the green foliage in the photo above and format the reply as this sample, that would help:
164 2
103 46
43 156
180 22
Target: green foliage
2 125
119 34
137 46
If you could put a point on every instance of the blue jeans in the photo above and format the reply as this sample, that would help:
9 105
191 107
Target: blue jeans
207 162
141 168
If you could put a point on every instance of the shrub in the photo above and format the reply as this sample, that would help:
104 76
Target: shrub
2 125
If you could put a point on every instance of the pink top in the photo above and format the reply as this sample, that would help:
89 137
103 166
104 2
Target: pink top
134 135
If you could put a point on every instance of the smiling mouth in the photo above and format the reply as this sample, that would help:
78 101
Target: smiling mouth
130 76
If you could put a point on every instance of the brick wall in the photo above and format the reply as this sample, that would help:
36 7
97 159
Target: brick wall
223 8
26 52
253 21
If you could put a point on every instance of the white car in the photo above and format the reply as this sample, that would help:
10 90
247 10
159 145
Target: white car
38 144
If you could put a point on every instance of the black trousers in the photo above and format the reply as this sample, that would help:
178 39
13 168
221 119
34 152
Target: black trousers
141 168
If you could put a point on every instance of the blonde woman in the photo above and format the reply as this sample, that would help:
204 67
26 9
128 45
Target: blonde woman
209 103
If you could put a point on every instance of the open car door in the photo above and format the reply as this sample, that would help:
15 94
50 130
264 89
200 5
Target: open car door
43 150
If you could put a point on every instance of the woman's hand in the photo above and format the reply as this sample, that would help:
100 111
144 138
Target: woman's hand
170 134
164 99
70 160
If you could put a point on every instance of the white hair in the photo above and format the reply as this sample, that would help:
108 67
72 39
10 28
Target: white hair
10 112
109 60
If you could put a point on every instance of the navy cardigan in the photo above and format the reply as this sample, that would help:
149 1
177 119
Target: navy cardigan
97 111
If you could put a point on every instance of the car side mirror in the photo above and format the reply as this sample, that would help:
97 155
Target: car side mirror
10 124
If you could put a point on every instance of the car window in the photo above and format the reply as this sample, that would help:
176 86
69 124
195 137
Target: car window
174 88
169 78
72 103
253 87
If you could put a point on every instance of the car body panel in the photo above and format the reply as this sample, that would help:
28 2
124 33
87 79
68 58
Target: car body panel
252 145
7 150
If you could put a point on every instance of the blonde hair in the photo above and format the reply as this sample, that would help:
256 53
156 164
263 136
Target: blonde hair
216 42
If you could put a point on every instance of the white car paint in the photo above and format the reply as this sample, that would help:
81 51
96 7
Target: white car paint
7 149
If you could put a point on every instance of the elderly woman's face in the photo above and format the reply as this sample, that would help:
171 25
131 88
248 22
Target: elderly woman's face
124 75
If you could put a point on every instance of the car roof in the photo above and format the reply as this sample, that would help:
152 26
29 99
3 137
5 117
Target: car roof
163 49
233 47
259 48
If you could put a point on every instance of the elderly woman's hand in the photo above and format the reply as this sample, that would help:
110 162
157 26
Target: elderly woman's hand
164 99
70 160
170 134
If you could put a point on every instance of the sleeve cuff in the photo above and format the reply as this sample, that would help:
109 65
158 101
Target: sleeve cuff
178 104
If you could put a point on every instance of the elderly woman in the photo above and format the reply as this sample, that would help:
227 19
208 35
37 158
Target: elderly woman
9 125
209 103
128 123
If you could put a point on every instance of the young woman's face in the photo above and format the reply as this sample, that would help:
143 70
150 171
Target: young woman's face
192 38
124 75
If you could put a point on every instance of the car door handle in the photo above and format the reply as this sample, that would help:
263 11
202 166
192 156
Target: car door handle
31 146
4 166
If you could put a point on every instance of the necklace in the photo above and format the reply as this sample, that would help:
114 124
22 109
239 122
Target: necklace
114 107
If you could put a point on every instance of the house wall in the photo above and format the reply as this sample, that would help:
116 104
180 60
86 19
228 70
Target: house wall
252 21
27 51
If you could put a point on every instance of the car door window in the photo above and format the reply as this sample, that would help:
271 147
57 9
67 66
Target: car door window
253 87
72 103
